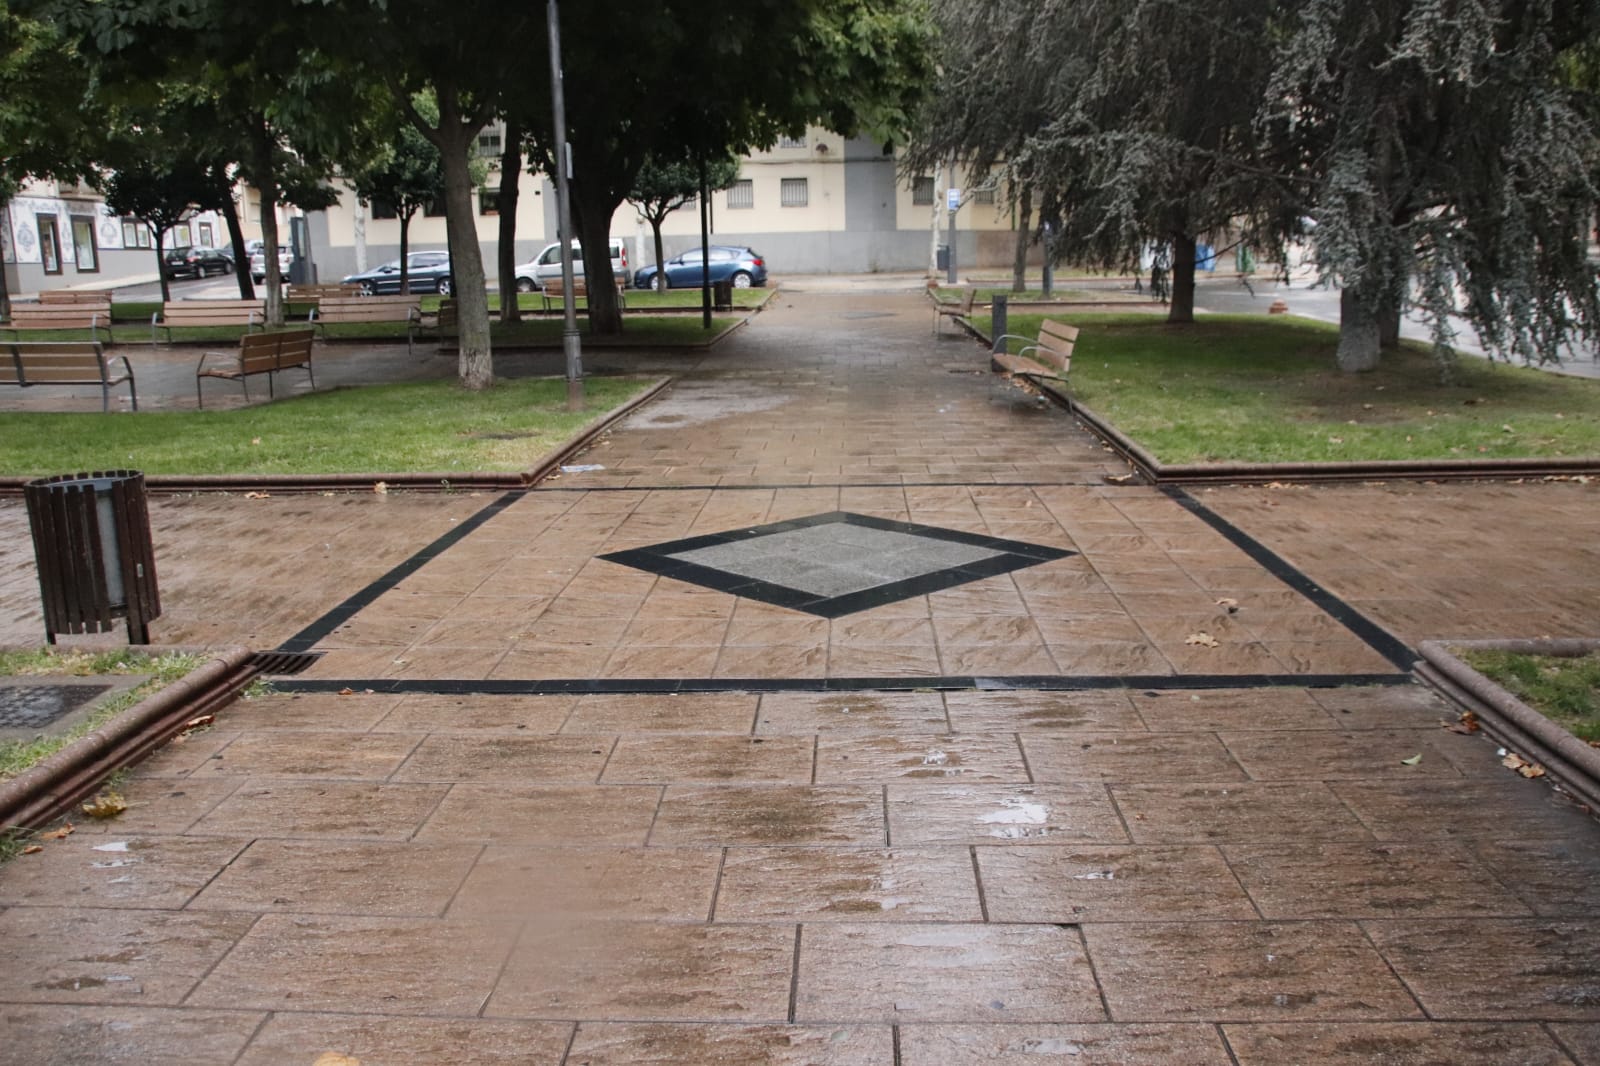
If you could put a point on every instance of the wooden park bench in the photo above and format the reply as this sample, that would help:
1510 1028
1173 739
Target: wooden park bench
954 311
74 296
315 294
259 353
251 314
554 293
433 325
331 310
79 311
1048 356
29 363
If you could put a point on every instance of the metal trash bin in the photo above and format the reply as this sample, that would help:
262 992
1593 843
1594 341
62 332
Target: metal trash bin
91 540
941 257
722 295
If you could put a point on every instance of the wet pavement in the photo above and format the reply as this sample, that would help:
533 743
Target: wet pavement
1153 797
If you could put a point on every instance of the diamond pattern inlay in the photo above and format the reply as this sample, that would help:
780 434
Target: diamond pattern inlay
837 563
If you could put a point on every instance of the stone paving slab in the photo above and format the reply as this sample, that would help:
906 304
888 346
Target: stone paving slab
1199 858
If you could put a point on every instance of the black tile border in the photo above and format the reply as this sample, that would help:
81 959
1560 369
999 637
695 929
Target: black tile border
307 638
659 686
658 559
1373 635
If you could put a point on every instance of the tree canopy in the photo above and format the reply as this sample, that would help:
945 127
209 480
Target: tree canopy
1447 163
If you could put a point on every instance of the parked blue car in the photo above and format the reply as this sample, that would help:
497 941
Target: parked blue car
742 266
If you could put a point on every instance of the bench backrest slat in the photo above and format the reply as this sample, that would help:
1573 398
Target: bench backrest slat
54 362
294 347
1056 341
73 296
213 312
77 315
397 308
258 353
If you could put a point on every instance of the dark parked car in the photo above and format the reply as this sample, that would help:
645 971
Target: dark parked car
742 266
195 262
426 272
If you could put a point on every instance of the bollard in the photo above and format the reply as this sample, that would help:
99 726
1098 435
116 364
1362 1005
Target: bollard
997 325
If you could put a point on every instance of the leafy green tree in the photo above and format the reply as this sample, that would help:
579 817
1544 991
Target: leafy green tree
48 124
1452 168
680 79
1133 119
407 178
660 188
161 190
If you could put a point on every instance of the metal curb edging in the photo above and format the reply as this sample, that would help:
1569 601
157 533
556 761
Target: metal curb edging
415 482
1509 720
52 786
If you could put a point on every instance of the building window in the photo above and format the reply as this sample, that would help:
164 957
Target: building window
178 236
791 142
206 238
145 240
922 191
85 252
741 193
794 193
435 208
489 143
488 201
49 243
984 195
383 209
130 233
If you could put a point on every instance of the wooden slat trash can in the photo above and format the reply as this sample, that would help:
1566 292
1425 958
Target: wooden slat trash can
91 540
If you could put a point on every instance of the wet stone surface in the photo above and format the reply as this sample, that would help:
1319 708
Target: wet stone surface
546 844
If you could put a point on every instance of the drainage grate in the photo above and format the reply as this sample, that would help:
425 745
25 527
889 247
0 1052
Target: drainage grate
36 706
280 663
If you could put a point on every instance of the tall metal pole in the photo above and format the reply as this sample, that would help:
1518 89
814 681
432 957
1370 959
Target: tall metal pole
705 248
571 344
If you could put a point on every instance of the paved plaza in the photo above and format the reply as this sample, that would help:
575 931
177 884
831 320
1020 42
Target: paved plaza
839 712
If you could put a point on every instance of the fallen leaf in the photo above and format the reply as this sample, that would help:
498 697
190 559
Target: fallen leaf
59 834
1414 760
1507 429
1467 724
1228 603
347 692
1526 768
255 440
257 496
381 488
333 1058
1204 640
1119 479
196 723
1335 440
105 805
32 849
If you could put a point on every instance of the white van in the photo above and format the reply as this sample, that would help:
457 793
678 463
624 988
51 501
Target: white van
547 264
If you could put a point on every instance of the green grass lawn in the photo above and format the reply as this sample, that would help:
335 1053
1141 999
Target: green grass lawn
18 755
431 427
1253 389
1564 689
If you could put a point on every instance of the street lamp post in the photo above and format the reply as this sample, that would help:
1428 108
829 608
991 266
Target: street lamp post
571 344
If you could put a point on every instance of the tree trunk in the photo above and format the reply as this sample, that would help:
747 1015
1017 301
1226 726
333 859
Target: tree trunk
1180 312
475 368
161 263
1019 269
241 261
1358 333
265 180
506 247
661 262
1389 325
405 247
592 211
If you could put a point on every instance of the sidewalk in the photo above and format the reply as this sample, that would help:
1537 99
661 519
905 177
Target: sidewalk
949 780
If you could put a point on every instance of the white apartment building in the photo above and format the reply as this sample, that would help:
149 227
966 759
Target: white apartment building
813 204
